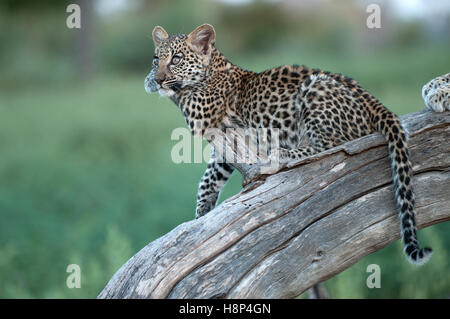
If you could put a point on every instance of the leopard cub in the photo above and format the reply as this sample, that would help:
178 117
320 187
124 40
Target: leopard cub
313 110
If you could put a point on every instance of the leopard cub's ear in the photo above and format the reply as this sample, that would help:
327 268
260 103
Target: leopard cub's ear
159 35
202 39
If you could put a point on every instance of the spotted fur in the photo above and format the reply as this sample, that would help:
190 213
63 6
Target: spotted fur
436 93
313 110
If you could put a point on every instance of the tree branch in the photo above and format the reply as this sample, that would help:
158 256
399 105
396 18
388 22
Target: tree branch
285 232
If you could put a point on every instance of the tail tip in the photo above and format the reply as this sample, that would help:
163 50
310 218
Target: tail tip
420 256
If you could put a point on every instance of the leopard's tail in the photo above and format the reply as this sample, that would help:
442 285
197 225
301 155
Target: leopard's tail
387 123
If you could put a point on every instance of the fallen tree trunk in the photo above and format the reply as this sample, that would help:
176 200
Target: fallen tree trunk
285 232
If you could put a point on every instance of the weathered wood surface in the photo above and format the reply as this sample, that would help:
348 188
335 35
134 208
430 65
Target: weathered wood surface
288 231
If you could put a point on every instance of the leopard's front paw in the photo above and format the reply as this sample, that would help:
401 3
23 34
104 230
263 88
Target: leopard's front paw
277 159
279 155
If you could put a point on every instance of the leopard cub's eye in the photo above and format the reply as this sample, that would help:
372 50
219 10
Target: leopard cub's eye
176 59
155 60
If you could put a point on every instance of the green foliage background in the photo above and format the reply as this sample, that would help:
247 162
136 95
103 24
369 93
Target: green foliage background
86 175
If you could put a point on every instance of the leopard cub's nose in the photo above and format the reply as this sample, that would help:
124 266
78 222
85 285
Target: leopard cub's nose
159 80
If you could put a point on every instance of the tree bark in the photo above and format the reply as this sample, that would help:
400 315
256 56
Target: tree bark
287 231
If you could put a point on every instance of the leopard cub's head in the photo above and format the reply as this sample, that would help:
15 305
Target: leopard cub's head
180 60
